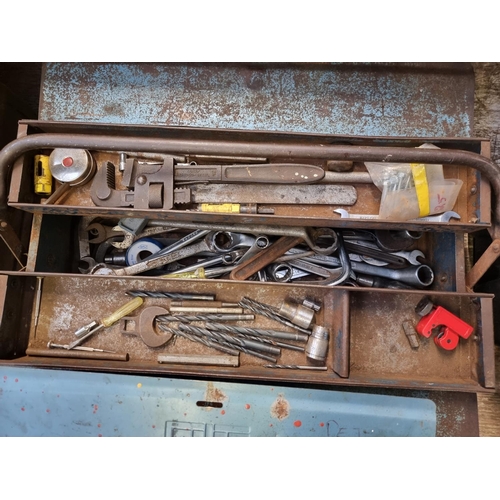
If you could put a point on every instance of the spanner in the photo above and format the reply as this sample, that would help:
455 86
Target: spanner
215 241
312 236
444 217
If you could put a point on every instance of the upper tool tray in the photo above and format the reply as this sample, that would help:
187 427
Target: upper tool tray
462 159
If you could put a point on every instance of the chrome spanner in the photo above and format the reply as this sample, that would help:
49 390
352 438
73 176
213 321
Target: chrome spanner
214 241
310 235
444 217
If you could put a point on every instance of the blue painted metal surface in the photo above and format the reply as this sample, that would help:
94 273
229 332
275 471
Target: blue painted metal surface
40 402
358 99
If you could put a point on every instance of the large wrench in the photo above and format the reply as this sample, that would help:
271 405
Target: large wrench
215 241
312 236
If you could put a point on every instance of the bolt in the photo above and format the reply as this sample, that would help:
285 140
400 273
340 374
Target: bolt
3 225
443 278
496 248
67 162
141 180
473 189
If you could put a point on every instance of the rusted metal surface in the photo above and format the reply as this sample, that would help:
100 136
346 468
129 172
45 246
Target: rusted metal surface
487 346
270 149
362 99
372 337
484 263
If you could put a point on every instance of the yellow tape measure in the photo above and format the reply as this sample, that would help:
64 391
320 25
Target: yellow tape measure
421 187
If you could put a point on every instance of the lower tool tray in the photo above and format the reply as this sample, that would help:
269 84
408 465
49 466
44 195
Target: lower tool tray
367 343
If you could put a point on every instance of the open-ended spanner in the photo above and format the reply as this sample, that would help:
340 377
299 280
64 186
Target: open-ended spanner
444 217
215 241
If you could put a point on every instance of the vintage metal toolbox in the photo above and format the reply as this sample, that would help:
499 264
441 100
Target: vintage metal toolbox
367 342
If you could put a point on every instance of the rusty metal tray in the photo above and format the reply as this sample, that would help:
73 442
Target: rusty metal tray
367 344
473 204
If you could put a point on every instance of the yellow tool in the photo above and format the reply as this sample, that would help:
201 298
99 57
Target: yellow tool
43 177
91 328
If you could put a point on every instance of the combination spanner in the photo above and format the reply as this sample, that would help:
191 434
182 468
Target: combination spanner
444 217
214 241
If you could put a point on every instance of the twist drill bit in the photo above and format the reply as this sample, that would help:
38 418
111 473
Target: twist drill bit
257 334
200 340
211 335
269 312
169 318
170 295
239 341
297 367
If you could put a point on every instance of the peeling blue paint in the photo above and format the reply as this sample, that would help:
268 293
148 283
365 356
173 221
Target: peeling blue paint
356 100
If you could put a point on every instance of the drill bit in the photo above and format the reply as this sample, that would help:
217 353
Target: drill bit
170 295
220 345
253 334
224 337
297 367
204 317
269 312
200 340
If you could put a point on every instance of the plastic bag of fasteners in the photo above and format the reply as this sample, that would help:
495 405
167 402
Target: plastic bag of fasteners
413 190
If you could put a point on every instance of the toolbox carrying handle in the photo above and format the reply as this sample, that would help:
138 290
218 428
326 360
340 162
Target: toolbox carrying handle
487 167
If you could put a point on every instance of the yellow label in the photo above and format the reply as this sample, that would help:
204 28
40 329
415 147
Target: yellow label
227 208
196 274
421 187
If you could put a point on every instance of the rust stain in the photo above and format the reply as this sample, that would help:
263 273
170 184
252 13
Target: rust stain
280 409
214 394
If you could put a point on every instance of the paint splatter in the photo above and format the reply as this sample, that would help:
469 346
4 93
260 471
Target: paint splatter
247 406
16 380
297 423
153 426
223 412
270 425
99 425
58 395
5 377
139 385
22 409
99 435
47 410
321 424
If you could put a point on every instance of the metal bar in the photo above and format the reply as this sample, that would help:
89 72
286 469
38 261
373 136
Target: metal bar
490 255
63 353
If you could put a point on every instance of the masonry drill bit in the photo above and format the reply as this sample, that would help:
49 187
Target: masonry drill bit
257 334
269 312
170 295
169 318
298 367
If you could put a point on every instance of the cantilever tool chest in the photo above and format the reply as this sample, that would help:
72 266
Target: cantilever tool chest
367 343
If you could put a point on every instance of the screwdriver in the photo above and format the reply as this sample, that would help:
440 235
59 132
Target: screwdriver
110 320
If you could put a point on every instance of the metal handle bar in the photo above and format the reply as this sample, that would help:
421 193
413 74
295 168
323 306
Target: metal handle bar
16 148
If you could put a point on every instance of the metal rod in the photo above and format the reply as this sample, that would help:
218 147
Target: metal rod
298 367
38 299
63 353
